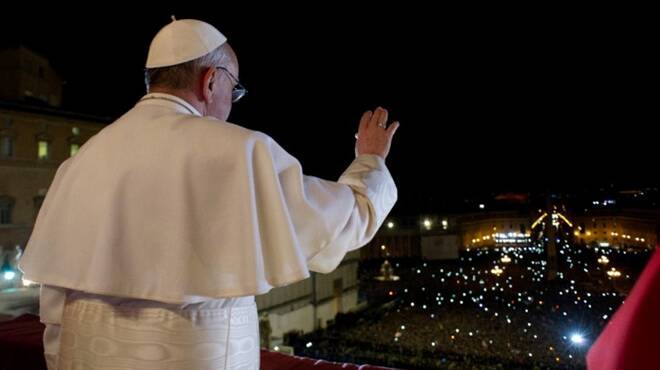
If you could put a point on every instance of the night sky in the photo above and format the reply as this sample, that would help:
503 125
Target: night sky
489 101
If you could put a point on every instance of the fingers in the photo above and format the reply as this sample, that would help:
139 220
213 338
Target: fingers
382 119
374 118
392 129
379 118
364 121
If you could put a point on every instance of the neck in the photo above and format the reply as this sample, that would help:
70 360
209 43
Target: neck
186 95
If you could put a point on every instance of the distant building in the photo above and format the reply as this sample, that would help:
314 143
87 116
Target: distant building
27 77
623 228
604 227
35 138
312 303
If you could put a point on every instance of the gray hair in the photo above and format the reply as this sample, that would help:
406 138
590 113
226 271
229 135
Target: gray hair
182 76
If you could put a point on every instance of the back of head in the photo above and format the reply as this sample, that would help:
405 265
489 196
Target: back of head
180 50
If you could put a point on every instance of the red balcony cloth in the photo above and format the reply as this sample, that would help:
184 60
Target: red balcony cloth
630 339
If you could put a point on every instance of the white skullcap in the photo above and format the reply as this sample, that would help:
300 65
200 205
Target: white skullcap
182 41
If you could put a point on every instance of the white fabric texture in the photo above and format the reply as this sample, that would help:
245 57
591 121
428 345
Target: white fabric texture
98 332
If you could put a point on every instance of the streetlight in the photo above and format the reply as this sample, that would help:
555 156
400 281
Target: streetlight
614 273
427 224
8 272
577 339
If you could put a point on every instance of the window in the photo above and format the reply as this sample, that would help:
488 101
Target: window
7 136
6 206
43 139
5 214
6 146
74 149
74 141
43 149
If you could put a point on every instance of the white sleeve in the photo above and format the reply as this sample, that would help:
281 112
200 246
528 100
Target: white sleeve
374 195
331 218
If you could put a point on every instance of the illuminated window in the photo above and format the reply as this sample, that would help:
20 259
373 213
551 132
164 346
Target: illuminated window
43 149
74 149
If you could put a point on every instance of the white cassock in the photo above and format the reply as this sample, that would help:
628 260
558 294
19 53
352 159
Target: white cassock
167 207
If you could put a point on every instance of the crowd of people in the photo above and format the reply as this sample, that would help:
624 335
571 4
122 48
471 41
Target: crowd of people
461 315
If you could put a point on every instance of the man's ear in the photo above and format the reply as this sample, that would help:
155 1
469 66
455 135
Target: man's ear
208 84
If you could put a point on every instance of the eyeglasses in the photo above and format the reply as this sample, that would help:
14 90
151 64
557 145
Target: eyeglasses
239 90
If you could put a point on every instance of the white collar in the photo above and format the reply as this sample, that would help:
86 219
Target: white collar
171 100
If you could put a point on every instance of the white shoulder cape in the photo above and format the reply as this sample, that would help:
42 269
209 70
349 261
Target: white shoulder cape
163 205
